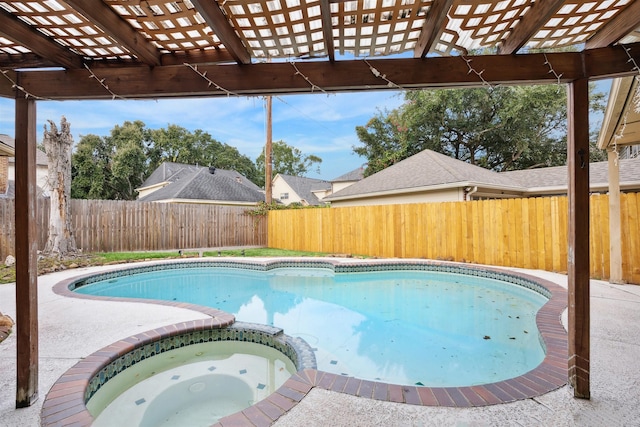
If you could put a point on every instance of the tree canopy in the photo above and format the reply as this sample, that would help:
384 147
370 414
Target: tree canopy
112 167
499 128
287 160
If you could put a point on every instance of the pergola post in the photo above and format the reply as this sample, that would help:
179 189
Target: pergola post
615 234
578 254
26 254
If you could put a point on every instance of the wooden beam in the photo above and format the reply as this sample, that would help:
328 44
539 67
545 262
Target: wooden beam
619 26
578 254
21 33
436 17
26 254
103 16
6 86
327 29
277 78
212 56
615 233
25 60
218 22
612 61
537 15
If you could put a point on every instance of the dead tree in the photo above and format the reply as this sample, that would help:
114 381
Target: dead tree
57 145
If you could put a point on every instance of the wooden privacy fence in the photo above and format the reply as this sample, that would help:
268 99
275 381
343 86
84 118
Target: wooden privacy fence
526 233
114 226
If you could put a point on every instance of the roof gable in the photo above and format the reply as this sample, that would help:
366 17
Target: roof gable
425 169
354 175
304 187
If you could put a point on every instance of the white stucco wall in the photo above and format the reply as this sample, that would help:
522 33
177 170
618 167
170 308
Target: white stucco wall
42 175
447 195
280 187
337 186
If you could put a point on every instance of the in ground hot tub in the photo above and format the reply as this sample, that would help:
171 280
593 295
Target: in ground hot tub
194 377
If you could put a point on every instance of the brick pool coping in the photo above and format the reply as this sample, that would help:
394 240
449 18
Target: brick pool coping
65 401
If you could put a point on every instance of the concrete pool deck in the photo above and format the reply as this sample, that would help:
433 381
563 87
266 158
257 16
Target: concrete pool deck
71 329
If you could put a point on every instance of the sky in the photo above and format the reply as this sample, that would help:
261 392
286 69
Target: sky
319 124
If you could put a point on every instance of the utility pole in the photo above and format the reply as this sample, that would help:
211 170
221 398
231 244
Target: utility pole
267 156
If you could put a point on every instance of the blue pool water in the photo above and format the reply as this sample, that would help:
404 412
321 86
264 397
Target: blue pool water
401 327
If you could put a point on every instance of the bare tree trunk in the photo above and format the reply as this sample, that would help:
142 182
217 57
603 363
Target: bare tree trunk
58 147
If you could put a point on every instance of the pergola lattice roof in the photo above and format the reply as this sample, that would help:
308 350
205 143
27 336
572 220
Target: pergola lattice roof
117 34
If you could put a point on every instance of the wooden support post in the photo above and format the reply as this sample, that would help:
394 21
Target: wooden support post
615 235
578 255
268 161
26 254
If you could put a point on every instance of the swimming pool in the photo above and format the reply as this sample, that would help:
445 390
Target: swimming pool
403 324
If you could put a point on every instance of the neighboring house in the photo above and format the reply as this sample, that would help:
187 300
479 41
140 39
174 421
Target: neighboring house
8 168
349 178
433 177
297 189
180 183
5 152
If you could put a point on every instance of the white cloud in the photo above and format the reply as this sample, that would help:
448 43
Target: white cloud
316 124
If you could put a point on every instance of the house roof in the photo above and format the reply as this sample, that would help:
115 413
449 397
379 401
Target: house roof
304 187
5 149
354 175
10 193
425 169
188 182
41 156
557 176
621 123
430 170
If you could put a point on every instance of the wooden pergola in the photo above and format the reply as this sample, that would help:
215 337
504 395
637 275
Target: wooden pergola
128 49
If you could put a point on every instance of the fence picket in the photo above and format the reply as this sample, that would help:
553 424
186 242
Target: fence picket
109 226
527 233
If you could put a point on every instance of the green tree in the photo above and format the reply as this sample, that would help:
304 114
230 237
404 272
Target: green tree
91 169
500 128
129 160
177 144
287 160
112 167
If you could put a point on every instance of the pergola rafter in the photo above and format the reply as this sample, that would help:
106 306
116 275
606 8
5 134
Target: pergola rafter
112 24
216 19
45 48
432 28
621 25
529 24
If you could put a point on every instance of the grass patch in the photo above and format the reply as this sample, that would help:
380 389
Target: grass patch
50 265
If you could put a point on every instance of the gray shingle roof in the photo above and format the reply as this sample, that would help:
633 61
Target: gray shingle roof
558 176
41 156
425 169
303 187
197 183
429 168
11 191
354 175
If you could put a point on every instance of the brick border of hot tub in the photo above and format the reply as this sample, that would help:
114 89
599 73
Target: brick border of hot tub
65 403
550 375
